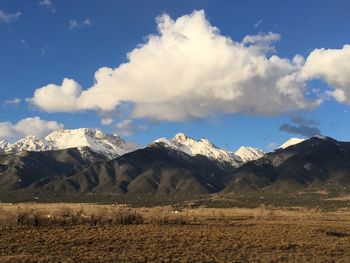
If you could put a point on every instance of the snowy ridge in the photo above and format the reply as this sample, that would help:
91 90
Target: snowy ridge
206 148
3 145
249 153
290 142
29 143
108 145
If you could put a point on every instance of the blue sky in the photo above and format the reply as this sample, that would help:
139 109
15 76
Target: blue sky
44 42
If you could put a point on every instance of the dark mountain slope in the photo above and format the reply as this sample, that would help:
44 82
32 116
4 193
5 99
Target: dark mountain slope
317 163
22 170
152 170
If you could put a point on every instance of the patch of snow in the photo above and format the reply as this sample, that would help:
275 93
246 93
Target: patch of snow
307 166
291 142
321 137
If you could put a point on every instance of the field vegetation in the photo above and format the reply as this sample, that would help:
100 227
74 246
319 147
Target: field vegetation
118 233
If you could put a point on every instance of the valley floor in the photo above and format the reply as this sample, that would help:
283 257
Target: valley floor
202 235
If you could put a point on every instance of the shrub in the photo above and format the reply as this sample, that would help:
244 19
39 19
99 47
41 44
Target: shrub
127 217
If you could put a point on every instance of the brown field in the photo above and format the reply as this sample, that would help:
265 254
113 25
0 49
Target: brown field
110 233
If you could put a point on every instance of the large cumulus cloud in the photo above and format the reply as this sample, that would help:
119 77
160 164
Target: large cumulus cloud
189 70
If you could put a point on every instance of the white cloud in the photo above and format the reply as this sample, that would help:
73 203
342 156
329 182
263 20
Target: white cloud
272 146
261 42
106 121
15 101
333 66
257 24
128 127
28 126
9 17
75 24
48 4
189 70
45 3
54 98
270 37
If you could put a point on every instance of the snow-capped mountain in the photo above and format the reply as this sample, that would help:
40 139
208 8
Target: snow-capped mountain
206 148
112 146
108 145
290 142
3 145
29 143
249 153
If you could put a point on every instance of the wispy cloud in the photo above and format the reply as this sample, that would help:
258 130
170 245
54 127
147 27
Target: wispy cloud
106 121
257 24
301 126
48 4
272 146
128 128
45 50
75 24
9 17
15 101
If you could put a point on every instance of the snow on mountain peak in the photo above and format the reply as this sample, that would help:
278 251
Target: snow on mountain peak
108 145
290 142
3 145
207 142
203 147
181 137
184 139
111 146
29 143
249 153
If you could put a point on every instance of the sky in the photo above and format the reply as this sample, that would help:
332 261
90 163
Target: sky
238 72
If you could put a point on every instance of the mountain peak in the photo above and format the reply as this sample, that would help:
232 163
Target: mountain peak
29 143
290 142
204 147
78 132
181 137
249 153
322 137
3 145
207 142
110 146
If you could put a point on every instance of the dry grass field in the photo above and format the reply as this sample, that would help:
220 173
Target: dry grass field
110 233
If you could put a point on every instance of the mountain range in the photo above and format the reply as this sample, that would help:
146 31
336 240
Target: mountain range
87 161
108 145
